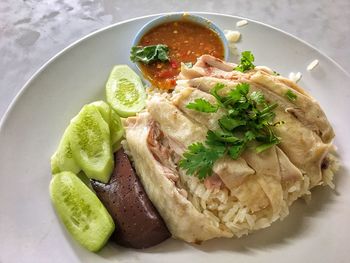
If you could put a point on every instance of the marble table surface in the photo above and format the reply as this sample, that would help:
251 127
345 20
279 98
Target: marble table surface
32 31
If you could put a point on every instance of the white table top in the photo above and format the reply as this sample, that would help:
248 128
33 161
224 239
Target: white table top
32 31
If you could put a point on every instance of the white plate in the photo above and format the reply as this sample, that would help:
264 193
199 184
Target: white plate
29 228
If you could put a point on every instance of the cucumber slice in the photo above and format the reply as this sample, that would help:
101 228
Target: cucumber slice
125 91
62 159
83 214
90 143
117 130
113 120
104 109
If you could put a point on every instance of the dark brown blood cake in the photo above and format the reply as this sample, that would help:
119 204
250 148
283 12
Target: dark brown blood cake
138 224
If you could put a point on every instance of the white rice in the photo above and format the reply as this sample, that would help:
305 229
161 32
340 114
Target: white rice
328 174
295 77
232 36
241 23
312 65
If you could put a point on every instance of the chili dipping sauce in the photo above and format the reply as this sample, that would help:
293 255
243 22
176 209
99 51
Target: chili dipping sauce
186 41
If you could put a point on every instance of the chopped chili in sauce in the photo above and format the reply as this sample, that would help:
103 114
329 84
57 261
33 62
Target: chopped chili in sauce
186 41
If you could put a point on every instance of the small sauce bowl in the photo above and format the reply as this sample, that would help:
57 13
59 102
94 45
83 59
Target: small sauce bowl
205 29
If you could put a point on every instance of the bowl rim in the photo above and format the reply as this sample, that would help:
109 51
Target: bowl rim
175 16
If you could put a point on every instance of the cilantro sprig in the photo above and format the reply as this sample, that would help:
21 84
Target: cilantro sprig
199 158
291 95
148 54
202 105
248 118
246 63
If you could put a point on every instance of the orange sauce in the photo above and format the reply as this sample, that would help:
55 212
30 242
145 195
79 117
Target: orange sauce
186 41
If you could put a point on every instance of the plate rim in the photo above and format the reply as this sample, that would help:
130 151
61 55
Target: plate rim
27 84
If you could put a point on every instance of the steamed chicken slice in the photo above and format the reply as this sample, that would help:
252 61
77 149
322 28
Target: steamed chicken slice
305 108
231 174
291 178
267 169
201 68
304 147
179 128
182 218
174 124
251 195
184 95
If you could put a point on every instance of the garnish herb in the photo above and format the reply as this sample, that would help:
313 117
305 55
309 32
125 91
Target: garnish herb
148 54
188 64
199 158
248 118
246 63
291 95
202 105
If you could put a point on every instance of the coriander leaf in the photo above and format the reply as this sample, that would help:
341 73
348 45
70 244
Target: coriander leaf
249 136
243 88
236 150
267 113
246 62
291 95
199 159
264 146
257 97
233 113
229 123
221 136
232 97
236 94
148 54
214 91
202 105
248 118
213 142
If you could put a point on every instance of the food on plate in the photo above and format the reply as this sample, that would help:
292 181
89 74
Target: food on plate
82 213
62 159
91 144
241 23
232 36
138 224
295 77
230 149
98 112
215 149
114 122
88 145
312 65
124 91
149 54
163 48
